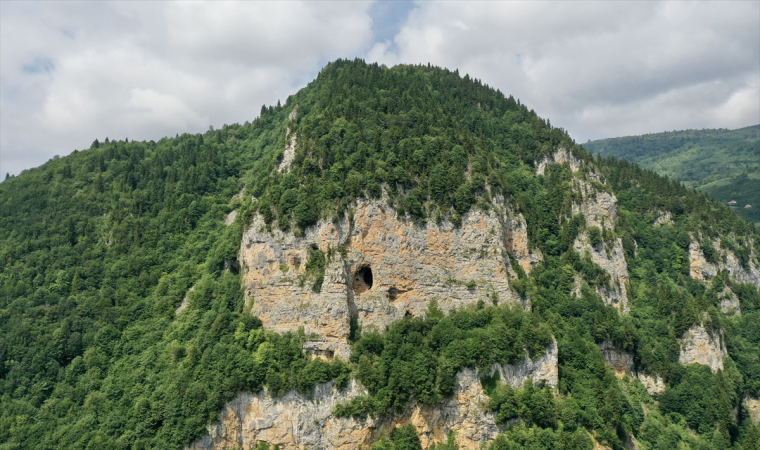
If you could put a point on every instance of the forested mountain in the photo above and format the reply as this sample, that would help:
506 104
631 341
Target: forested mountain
145 285
723 163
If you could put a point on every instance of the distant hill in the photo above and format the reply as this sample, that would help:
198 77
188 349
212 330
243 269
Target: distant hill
723 163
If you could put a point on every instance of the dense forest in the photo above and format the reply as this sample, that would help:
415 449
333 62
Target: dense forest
723 163
122 321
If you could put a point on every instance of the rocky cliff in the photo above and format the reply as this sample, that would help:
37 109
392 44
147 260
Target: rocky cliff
698 346
379 267
599 207
622 363
701 269
296 421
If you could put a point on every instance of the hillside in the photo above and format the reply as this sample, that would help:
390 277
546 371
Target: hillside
723 163
393 258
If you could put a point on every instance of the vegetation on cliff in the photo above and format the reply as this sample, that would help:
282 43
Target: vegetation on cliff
100 249
723 163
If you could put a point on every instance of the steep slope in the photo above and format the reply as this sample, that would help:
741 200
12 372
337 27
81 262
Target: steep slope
723 163
391 256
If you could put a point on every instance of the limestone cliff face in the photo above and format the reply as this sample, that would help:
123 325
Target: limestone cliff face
752 405
380 268
295 421
560 156
600 210
729 303
701 269
622 363
700 347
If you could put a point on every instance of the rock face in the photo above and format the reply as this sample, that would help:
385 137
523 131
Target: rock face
295 421
701 269
560 156
380 268
752 405
699 347
729 303
600 210
290 149
622 363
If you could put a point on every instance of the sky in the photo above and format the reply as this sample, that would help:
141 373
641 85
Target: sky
73 72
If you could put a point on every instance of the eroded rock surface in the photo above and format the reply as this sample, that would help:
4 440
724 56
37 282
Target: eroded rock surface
700 347
409 266
600 210
729 303
295 421
701 269
752 405
622 363
560 156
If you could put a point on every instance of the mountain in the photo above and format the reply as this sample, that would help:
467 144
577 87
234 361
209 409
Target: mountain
723 163
392 258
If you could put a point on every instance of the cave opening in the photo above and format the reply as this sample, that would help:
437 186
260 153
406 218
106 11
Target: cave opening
363 280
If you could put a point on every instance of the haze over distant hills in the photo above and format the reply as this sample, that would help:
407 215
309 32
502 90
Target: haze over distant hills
723 163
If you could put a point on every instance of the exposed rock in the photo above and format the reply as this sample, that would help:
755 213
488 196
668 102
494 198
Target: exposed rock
663 218
185 302
543 369
621 362
410 266
729 303
290 148
752 405
230 219
560 156
700 347
701 269
295 421
600 210
653 384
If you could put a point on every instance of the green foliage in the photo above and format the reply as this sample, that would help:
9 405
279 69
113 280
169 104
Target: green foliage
531 404
421 357
404 438
723 163
99 249
521 437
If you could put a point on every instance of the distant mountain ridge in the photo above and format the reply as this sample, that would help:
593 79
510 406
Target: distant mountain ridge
722 163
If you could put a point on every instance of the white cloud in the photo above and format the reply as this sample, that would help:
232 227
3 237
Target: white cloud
73 72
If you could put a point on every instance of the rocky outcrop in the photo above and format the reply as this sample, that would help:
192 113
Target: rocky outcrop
663 218
543 369
622 363
560 156
701 269
600 210
289 152
729 302
379 268
700 347
295 421
653 384
752 405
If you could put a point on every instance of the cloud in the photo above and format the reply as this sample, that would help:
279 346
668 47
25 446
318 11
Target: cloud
73 72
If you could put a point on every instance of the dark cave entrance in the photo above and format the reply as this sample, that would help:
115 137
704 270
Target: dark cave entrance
362 281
